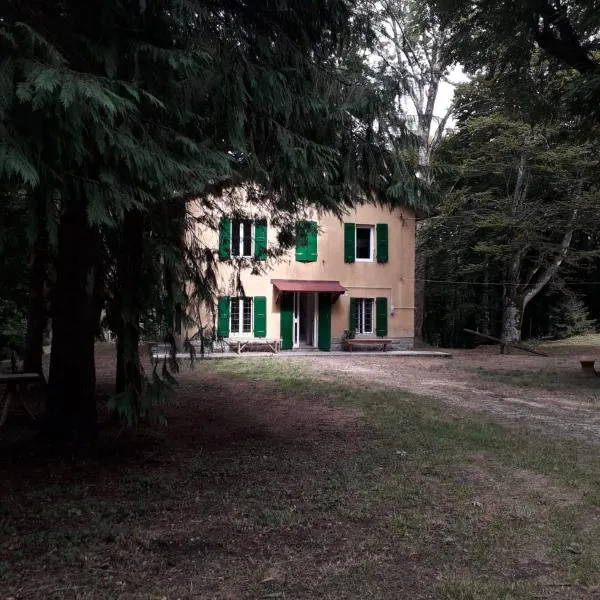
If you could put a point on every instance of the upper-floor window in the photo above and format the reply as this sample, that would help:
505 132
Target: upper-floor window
365 243
242 238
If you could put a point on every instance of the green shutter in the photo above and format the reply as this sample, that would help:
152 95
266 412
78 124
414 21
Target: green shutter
311 246
260 240
301 241
225 239
306 241
223 317
381 328
324 342
349 242
382 242
352 321
260 316
287 321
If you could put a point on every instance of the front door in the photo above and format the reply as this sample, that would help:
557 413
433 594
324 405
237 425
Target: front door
300 320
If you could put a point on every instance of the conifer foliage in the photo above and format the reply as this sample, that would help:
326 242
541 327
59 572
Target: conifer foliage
112 111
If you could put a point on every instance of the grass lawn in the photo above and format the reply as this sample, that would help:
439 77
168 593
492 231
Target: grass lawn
271 483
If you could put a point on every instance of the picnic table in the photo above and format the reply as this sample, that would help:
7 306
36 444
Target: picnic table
238 345
12 382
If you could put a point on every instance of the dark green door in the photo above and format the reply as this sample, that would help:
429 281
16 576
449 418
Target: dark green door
324 321
287 321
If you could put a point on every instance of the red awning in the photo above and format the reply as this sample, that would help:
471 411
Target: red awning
306 285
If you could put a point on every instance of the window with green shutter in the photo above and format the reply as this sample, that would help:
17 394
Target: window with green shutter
349 242
223 317
306 241
381 320
225 239
382 242
260 240
260 316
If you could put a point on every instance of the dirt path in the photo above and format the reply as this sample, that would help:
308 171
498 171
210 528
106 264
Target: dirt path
546 393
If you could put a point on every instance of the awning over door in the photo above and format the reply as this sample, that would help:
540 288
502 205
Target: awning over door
307 285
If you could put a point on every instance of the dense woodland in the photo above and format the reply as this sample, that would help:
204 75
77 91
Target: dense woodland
117 115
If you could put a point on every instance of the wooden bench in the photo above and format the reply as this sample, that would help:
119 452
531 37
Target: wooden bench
238 345
587 366
12 382
350 343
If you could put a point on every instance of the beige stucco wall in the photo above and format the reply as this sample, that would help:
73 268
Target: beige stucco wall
394 279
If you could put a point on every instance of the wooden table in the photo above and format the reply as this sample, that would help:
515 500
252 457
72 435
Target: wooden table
238 345
11 383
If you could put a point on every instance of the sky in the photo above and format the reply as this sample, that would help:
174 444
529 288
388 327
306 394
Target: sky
446 93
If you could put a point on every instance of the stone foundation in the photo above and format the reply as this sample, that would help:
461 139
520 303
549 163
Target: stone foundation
404 343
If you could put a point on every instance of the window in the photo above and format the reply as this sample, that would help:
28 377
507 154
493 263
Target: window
359 243
363 315
242 316
364 242
241 238
240 320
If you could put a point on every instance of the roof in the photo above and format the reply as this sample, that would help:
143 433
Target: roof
308 285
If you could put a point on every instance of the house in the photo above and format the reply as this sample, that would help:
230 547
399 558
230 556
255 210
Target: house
353 276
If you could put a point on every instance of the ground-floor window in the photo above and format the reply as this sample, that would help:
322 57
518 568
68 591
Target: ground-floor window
363 315
240 322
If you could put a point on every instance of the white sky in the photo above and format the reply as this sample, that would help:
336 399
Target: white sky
446 92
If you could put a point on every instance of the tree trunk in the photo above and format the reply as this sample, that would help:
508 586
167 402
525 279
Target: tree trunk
71 416
120 367
512 314
420 275
36 309
485 304
129 370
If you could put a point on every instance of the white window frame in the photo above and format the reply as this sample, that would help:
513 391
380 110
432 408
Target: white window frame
371 229
241 232
240 332
360 308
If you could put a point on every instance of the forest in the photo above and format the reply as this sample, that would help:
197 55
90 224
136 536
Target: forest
116 116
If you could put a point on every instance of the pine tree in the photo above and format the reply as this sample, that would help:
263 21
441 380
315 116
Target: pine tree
114 107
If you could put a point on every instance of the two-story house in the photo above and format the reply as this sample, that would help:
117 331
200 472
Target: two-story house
354 275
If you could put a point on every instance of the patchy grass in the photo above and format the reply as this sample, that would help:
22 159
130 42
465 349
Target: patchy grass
272 483
546 379
591 340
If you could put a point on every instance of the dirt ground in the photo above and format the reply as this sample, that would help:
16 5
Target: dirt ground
546 392
260 488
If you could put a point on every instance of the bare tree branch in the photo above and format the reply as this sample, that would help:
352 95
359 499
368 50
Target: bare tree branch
551 270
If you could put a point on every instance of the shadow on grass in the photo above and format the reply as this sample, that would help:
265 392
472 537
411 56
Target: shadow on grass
269 483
